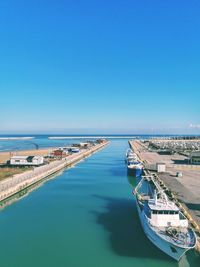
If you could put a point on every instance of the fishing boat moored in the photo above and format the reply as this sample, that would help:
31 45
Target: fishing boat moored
134 168
164 224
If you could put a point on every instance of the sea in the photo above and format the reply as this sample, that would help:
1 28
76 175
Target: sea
84 216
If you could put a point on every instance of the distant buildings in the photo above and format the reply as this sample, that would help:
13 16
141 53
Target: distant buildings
63 152
56 154
83 145
100 141
59 153
26 160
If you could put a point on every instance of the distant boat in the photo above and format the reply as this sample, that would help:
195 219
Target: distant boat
129 152
135 168
130 155
164 224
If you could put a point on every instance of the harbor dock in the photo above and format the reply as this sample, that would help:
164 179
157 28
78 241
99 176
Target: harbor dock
180 180
13 185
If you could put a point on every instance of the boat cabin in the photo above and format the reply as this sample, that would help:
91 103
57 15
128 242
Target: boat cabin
129 152
133 162
164 213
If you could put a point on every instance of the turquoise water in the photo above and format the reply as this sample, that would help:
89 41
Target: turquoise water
40 140
85 217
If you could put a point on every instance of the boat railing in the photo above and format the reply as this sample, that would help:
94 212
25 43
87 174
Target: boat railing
183 239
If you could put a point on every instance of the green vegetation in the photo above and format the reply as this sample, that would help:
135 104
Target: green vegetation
10 171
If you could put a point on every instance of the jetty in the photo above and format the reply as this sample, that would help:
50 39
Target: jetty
17 138
179 179
17 183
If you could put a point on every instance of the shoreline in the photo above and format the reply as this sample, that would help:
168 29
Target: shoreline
92 137
13 185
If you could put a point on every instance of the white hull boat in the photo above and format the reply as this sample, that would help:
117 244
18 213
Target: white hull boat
164 225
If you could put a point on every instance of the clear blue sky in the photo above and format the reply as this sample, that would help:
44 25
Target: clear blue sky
99 66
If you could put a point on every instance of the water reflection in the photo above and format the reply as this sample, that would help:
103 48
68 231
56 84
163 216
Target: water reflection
191 258
126 236
24 192
132 180
127 239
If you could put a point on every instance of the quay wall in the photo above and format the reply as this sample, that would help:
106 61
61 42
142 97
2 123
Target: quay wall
15 184
136 147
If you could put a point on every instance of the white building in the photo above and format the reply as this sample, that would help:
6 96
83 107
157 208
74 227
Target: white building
27 160
161 167
82 144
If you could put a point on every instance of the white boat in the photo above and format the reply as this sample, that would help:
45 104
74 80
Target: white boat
164 224
129 152
134 167
130 155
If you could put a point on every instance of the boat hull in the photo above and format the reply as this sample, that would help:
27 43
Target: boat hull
137 172
171 250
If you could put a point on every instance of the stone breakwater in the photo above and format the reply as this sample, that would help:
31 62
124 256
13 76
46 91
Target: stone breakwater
15 184
17 138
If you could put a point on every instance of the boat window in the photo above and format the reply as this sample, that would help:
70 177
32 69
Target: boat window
164 212
173 212
181 216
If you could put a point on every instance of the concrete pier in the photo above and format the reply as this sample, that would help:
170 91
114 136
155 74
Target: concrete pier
19 182
184 191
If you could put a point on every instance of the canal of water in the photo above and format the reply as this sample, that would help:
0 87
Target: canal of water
84 217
